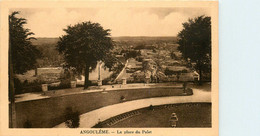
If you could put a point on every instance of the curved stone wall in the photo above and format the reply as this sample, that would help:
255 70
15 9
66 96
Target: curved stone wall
49 112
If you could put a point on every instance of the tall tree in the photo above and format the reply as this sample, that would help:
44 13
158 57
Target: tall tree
195 43
22 55
83 45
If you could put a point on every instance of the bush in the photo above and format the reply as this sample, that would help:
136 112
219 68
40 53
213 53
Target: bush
72 118
18 85
138 77
132 54
184 71
65 80
65 83
107 81
189 91
150 107
140 59
27 87
122 98
169 72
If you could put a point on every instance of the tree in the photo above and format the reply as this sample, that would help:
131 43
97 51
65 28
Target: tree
22 55
83 45
132 54
195 43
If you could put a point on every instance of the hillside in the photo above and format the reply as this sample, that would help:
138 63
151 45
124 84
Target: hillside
54 40
45 41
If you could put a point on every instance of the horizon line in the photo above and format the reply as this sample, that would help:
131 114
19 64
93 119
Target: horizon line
117 36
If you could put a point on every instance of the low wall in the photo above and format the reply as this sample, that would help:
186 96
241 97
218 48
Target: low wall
49 112
52 74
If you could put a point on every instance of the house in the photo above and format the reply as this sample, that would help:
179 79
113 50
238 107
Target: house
133 66
177 68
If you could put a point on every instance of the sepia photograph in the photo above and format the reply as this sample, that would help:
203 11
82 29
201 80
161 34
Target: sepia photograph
107 67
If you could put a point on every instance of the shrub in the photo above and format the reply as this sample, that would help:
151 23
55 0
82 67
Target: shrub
27 87
184 71
72 118
169 72
65 83
138 77
122 98
18 86
150 107
132 54
106 81
140 59
189 91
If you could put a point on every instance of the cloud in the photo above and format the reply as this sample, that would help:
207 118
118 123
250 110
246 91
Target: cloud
122 21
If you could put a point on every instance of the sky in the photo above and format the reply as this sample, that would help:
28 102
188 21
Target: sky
50 22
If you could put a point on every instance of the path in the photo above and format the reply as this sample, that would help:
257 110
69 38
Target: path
122 73
89 119
29 97
130 63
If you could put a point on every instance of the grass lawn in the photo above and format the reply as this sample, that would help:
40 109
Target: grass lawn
189 115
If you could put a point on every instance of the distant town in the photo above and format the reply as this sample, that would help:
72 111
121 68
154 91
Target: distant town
141 59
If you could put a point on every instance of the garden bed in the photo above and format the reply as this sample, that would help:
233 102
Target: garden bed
189 115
